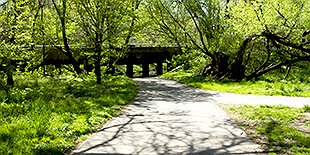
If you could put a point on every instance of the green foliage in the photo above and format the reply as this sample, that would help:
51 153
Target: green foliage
306 108
269 85
47 115
274 126
287 19
190 61
205 28
102 20
240 31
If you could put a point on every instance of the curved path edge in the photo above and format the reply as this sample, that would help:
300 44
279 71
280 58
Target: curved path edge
172 118
232 98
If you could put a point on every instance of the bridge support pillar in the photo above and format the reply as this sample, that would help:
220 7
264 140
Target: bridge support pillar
145 70
159 68
129 70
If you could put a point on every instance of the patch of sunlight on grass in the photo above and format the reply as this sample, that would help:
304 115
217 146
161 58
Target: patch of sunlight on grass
272 126
47 115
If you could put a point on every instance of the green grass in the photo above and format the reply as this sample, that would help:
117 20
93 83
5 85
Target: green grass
48 115
268 86
273 127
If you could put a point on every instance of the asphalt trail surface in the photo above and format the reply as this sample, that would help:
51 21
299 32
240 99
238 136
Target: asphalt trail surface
171 118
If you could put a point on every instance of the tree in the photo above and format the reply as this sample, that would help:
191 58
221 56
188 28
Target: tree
54 28
104 23
241 39
272 35
15 21
194 23
62 15
15 29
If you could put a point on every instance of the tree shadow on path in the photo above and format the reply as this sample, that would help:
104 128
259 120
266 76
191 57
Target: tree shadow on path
169 118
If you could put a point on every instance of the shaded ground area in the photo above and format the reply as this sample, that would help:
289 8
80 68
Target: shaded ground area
170 118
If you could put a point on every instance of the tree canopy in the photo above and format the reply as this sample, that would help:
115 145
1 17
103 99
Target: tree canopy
230 39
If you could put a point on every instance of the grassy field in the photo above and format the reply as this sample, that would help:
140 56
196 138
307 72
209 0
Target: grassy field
48 115
270 85
282 130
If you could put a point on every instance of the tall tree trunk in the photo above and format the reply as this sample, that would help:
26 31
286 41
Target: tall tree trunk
67 52
98 64
10 80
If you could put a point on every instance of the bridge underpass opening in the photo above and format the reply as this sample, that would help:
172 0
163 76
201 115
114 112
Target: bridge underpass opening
146 70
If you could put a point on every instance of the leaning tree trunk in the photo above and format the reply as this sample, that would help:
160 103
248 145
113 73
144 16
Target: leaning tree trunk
237 70
67 52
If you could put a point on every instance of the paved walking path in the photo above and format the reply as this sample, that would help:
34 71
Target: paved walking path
230 98
171 118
